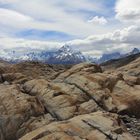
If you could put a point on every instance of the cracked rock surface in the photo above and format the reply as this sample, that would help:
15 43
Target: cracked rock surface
69 103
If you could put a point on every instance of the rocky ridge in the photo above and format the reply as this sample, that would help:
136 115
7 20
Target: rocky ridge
81 102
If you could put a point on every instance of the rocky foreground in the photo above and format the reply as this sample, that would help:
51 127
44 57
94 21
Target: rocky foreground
82 102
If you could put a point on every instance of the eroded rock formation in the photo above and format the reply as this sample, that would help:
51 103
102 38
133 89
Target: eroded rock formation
77 103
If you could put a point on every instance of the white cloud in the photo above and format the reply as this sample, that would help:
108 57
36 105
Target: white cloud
10 15
128 10
16 43
98 20
7 1
120 40
66 16
58 15
13 18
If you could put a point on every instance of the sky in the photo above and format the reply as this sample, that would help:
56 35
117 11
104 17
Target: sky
92 26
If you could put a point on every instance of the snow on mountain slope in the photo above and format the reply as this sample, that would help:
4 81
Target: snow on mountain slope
66 55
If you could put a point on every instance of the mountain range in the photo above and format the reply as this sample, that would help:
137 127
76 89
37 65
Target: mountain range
85 101
116 55
65 55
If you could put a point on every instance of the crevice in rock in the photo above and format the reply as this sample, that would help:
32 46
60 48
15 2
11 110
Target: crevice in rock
41 135
101 106
2 133
52 113
74 134
97 128
22 89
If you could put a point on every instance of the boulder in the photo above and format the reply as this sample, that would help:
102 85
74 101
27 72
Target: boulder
80 103
128 98
15 109
16 78
97 126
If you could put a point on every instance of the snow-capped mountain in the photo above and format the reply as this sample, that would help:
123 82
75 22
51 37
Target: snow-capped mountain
42 56
66 55
116 55
18 54
134 51
106 57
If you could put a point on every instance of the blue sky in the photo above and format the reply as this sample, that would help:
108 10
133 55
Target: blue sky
85 24
55 20
44 35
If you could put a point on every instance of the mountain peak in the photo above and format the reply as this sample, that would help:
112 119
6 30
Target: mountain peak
66 48
67 55
135 51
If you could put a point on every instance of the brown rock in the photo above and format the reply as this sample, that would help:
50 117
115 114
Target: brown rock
76 105
15 109
102 125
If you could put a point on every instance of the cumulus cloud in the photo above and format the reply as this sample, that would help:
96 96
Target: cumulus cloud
70 17
128 10
120 40
13 18
62 16
129 15
98 20
16 43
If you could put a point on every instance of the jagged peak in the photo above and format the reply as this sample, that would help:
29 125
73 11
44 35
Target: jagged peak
66 48
135 50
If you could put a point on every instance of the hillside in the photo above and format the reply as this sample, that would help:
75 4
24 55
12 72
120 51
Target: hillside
80 102
116 63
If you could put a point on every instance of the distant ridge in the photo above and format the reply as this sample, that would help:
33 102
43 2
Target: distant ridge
116 63
116 55
65 55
